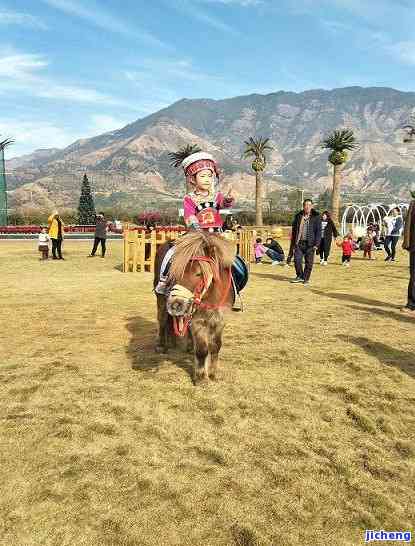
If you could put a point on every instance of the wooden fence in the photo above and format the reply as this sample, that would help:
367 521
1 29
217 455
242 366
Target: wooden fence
140 247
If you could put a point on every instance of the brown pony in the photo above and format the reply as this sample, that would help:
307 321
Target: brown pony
200 282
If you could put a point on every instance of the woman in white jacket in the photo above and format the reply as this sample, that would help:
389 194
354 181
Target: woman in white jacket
394 225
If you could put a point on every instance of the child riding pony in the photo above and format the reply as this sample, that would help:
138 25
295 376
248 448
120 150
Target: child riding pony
202 210
198 276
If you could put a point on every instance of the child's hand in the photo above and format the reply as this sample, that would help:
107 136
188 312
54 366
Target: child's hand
229 195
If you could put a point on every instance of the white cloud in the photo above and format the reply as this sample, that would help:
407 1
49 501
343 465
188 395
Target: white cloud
8 17
189 9
102 123
240 3
403 51
20 66
77 94
32 135
377 37
366 8
157 80
336 27
165 69
97 16
20 72
378 13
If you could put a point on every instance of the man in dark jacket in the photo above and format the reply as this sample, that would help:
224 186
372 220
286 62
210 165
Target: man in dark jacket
100 235
409 245
305 239
275 251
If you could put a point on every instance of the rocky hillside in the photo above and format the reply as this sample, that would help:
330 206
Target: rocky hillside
130 166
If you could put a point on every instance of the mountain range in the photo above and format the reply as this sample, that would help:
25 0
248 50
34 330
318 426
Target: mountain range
130 166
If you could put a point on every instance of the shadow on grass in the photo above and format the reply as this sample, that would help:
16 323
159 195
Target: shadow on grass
384 314
400 278
387 355
356 299
141 348
273 276
361 259
119 267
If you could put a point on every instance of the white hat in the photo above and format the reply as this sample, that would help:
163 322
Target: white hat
198 156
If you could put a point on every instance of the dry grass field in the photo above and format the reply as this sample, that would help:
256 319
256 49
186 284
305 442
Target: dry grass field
307 439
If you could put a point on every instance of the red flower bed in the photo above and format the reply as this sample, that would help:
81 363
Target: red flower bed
159 229
79 229
37 229
27 230
20 229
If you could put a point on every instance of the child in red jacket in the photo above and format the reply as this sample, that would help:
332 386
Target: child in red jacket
347 246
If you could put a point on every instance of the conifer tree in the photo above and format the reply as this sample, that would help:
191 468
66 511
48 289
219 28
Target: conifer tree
86 209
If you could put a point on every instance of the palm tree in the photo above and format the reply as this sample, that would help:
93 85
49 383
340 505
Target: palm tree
339 142
256 148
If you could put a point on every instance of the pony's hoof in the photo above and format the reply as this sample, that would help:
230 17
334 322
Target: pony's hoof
160 349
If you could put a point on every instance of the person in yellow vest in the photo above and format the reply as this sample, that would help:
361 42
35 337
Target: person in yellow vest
56 231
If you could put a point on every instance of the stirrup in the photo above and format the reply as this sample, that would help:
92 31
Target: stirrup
161 288
241 303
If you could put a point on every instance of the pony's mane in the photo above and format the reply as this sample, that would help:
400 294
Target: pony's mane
196 244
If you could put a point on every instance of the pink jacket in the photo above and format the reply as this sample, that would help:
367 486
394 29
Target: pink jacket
205 214
260 250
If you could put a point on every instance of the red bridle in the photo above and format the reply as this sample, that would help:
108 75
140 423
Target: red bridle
199 293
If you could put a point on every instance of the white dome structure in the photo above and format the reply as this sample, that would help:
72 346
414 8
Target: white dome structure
357 218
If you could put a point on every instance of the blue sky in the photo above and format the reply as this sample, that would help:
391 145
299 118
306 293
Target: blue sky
77 68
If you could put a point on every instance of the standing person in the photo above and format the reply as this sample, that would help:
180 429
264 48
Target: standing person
328 231
100 235
347 247
409 245
306 237
376 236
56 231
394 225
368 243
43 242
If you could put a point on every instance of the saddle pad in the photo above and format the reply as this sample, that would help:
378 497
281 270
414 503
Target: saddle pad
240 273
165 264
